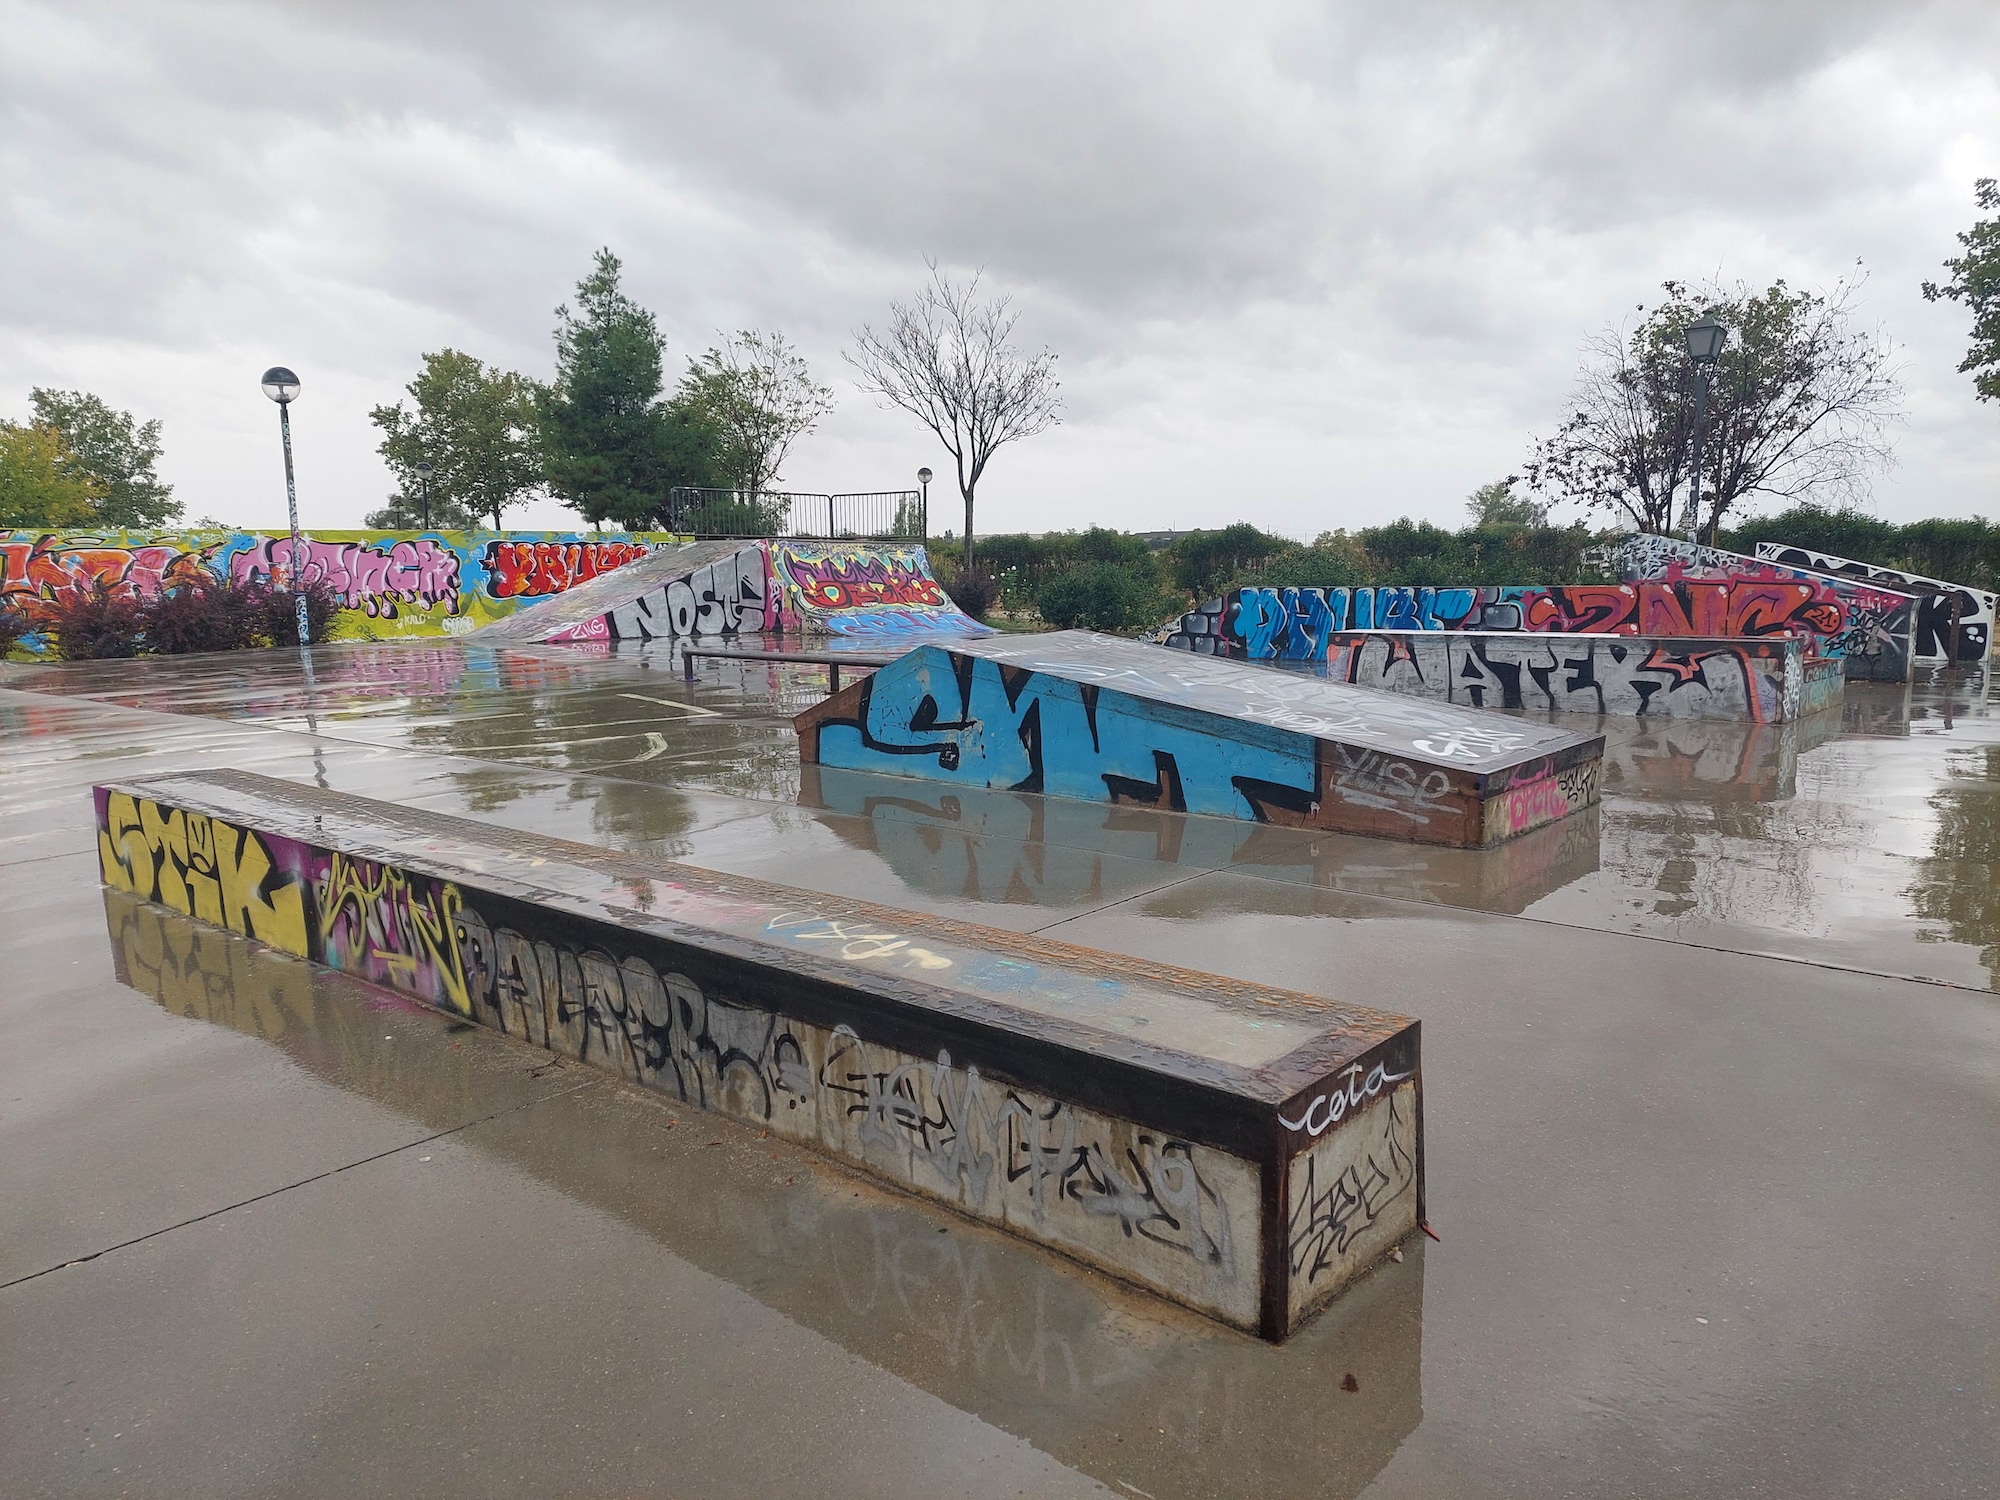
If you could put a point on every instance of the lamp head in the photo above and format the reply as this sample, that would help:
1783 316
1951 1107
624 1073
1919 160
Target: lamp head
924 476
280 384
1705 340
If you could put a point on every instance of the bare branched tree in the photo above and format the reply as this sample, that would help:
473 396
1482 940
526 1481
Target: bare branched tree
759 392
947 359
1800 406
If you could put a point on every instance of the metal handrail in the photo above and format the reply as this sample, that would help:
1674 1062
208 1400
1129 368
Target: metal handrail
832 662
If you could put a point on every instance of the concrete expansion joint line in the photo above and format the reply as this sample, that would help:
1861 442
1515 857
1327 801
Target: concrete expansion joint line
1078 916
153 1234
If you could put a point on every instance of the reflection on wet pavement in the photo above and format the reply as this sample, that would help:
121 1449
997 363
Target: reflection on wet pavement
1713 1223
1846 838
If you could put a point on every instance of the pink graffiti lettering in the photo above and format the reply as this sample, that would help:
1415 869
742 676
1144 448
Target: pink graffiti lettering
366 577
860 582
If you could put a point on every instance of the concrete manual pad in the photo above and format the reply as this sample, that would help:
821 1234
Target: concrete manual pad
1238 1149
1107 720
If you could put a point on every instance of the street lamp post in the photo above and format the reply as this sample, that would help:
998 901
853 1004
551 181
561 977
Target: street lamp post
282 386
924 479
1704 346
424 482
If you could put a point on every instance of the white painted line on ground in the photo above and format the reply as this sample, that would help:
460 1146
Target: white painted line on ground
686 708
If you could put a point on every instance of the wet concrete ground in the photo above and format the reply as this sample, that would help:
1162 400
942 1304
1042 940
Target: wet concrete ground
1711 1128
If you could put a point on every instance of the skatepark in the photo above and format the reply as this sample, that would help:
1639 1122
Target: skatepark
456 1077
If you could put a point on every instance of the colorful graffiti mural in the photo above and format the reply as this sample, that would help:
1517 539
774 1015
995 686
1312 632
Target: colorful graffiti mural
1106 720
392 583
1295 624
721 589
860 588
1871 629
1757 681
1937 600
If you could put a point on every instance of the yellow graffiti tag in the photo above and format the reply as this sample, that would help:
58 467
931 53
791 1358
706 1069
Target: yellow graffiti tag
202 867
395 925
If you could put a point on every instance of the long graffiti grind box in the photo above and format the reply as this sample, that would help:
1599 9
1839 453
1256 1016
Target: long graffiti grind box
1242 1150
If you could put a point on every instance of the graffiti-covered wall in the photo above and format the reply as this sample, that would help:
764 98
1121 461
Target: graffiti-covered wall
1936 600
1876 626
1758 681
393 583
1295 624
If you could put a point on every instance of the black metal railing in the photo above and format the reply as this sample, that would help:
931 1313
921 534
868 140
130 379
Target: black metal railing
872 515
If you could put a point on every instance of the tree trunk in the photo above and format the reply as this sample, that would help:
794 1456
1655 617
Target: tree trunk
968 532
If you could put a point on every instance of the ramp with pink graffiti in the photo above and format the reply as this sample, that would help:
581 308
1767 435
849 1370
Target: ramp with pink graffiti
695 588
710 589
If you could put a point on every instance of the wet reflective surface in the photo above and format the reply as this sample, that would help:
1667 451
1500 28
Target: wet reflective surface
271 1232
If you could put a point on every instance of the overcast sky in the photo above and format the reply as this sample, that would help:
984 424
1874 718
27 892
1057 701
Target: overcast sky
1311 266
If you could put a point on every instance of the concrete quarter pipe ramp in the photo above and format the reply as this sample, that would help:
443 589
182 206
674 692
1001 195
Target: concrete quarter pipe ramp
1107 720
729 588
1244 1151
1938 602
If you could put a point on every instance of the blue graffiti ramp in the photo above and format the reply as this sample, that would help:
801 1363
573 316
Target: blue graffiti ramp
1093 717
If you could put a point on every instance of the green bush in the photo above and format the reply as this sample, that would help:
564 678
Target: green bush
1100 596
1956 551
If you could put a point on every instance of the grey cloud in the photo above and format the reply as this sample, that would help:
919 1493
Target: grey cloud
1332 242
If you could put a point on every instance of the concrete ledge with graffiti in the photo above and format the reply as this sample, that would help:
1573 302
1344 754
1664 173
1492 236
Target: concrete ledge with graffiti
1936 601
392 583
1053 1356
1761 681
1247 1152
1296 624
1872 630
722 589
1104 720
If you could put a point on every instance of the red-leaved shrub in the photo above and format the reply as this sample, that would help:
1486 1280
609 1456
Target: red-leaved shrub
204 614
13 625
277 612
97 624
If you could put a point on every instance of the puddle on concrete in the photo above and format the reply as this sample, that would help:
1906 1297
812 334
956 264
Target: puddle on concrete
1864 837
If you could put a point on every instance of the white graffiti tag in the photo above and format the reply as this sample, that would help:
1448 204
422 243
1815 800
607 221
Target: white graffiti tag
1329 1109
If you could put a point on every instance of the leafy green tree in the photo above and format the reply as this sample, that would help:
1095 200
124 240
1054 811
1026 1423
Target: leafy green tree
1496 506
1203 561
612 447
1101 596
43 485
1975 281
117 452
759 395
475 426
1799 408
